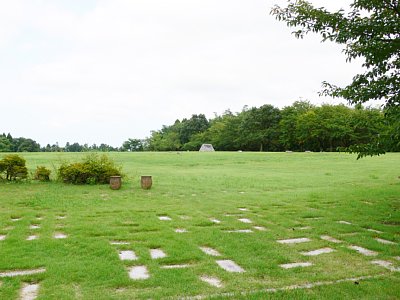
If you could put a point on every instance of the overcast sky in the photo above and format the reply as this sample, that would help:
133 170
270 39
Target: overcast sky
93 71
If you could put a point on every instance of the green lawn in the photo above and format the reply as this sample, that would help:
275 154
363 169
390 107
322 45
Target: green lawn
291 195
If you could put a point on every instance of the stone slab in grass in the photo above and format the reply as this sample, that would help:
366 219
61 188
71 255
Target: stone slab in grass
382 241
15 219
32 237
296 265
127 255
245 220
22 272
210 251
119 243
164 218
386 264
344 222
243 209
330 239
60 235
61 217
184 217
229 266
216 221
260 228
318 251
374 230
29 291
240 231
2 237
294 241
34 226
305 228
213 281
363 251
180 230
138 273
182 266
157 253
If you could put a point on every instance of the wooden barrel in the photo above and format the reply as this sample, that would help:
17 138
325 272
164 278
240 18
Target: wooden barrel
146 182
115 182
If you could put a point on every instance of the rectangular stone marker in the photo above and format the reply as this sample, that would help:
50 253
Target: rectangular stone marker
216 221
363 251
241 231
60 236
157 253
15 219
210 251
61 217
127 255
138 273
294 241
344 222
318 251
34 227
305 228
330 239
382 241
213 281
119 243
29 291
260 228
386 264
31 237
229 266
243 209
180 230
374 230
164 218
296 265
174 266
22 272
2 237
244 220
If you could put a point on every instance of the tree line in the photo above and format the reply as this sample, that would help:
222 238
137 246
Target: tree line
301 126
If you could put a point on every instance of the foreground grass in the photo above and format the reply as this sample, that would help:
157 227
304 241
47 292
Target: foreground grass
291 195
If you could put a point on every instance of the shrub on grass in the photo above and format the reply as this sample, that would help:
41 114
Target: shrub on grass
13 167
42 174
94 169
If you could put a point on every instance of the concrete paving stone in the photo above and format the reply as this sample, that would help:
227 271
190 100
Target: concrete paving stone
294 241
216 221
243 209
29 291
157 253
60 235
2 237
183 266
318 251
386 264
382 241
34 226
164 218
363 251
245 220
260 228
213 281
119 243
127 255
374 230
344 222
32 237
138 273
240 231
330 239
180 230
22 272
210 251
229 266
296 265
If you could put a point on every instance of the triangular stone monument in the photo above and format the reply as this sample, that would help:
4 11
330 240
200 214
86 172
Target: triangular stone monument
206 148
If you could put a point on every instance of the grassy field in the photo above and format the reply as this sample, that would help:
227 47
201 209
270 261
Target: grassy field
283 195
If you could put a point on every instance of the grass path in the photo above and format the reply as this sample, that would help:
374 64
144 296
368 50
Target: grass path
278 196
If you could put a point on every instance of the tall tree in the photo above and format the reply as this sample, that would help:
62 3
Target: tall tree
370 30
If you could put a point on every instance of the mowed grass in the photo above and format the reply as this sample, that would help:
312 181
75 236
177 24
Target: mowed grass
291 195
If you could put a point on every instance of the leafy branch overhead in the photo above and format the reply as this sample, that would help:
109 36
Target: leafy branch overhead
369 30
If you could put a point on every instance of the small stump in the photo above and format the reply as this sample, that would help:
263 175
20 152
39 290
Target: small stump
146 182
115 182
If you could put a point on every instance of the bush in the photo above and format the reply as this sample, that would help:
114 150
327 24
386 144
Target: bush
42 174
93 169
13 166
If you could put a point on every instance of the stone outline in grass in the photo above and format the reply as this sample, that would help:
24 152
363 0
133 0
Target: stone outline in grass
318 251
180 230
260 228
294 241
240 231
214 220
119 243
22 272
344 222
374 230
209 251
213 281
60 235
386 242
245 220
32 237
2 237
296 265
29 291
34 226
157 253
230 266
385 264
138 273
363 251
127 255
182 266
243 209
330 239
164 218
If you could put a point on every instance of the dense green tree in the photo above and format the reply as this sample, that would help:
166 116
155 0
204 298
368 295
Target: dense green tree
370 30
13 167
5 144
196 124
132 145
